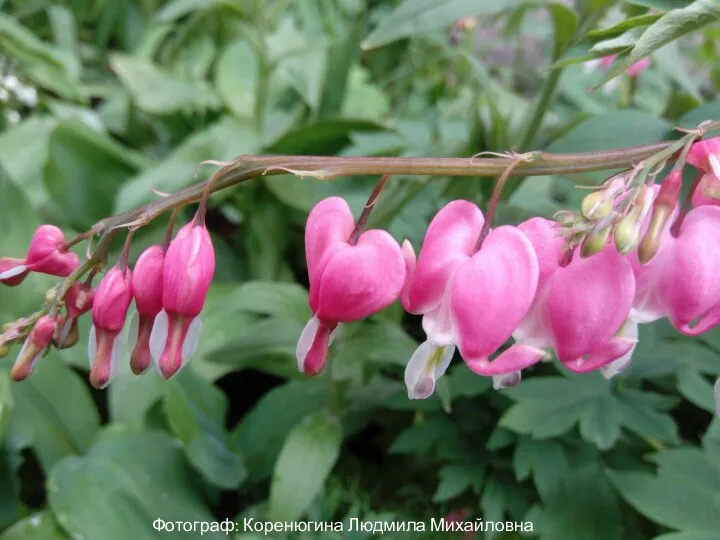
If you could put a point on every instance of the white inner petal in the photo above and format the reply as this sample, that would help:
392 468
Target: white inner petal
438 324
715 164
15 271
192 339
158 336
92 345
305 342
628 330
506 380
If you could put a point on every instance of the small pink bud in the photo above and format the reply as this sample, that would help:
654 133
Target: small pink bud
40 337
147 284
78 301
109 311
187 274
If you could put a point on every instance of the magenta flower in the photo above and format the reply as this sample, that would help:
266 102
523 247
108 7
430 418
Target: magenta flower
348 280
633 71
34 347
110 306
147 286
188 270
580 308
681 281
705 156
469 298
47 255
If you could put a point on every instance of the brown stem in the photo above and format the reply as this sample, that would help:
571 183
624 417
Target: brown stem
122 263
170 228
687 205
79 238
365 215
494 199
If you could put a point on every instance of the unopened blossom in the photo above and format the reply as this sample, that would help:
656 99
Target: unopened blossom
188 270
111 303
705 156
580 307
34 347
350 279
78 301
147 285
470 298
47 254
604 63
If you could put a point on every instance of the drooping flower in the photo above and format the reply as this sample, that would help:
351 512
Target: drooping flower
469 298
580 307
188 270
349 280
705 156
110 306
34 347
47 254
78 301
147 285
604 63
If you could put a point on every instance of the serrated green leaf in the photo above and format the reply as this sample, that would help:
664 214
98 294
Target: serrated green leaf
126 481
545 461
671 26
306 459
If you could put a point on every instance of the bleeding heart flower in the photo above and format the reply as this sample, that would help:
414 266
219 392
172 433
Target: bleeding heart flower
34 347
581 307
708 191
188 270
47 255
348 280
147 285
110 306
78 301
705 156
469 298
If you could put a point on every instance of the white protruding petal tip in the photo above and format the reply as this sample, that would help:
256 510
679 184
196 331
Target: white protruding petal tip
425 367
16 271
715 164
158 336
305 342
192 339
506 380
92 345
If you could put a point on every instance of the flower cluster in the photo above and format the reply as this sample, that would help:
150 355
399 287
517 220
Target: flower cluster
168 284
576 289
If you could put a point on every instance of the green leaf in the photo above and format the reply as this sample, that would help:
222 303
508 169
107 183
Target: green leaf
457 478
158 92
417 16
565 21
126 481
223 140
236 77
10 505
260 434
671 26
77 157
623 26
342 58
697 389
544 460
40 526
272 298
706 111
583 507
53 413
307 457
689 535
47 66
640 414
196 411
664 5
175 9
6 403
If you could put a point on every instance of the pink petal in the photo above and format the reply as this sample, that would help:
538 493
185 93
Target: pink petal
602 356
328 227
492 292
688 284
548 244
628 330
410 265
700 152
708 191
312 347
510 361
360 280
588 301
449 241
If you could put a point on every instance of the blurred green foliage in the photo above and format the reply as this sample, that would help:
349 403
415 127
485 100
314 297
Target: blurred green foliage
104 101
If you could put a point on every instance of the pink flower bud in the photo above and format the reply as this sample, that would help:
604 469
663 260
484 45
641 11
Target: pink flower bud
78 301
348 281
109 311
34 347
147 284
705 156
187 273
46 255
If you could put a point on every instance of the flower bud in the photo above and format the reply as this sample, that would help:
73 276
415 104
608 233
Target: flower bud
596 205
67 334
147 283
187 273
663 210
34 347
627 231
4 350
110 307
595 241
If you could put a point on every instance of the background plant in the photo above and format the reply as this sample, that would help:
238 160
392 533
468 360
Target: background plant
106 101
